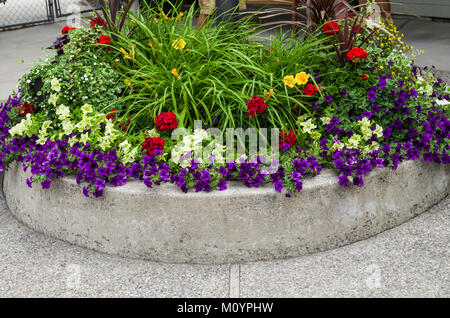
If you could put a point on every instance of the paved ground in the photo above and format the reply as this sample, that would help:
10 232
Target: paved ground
410 260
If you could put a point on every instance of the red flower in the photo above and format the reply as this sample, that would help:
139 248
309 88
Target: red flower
330 28
287 138
166 121
256 105
66 29
124 125
111 114
310 89
356 54
25 108
97 21
104 39
364 76
152 143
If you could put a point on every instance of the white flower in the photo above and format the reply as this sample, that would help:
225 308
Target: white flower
84 138
130 156
124 146
353 141
73 141
372 147
21 128
84 124
56 85
152 133
366 132
87 108
325 120
364 122
109 128
62 112
378 131
67 127
442 102
53 99
308 126
200 135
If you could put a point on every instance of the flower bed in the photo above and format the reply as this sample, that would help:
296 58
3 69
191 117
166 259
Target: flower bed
152 99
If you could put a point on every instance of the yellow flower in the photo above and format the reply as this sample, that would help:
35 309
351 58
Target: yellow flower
128 83
290 81
178 44
152 46
301 78
180 15
175 72
128 55
165 16
268 94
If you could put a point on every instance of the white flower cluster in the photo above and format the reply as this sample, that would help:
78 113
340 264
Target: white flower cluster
358 141
192 146
126 154
22 128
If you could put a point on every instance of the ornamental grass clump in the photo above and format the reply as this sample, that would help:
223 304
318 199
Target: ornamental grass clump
206 74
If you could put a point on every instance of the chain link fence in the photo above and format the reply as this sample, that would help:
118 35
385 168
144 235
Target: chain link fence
18 13
15 13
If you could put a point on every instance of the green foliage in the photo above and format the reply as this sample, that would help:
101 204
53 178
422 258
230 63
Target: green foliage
82 76
208 74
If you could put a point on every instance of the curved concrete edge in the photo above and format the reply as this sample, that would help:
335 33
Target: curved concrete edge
236 225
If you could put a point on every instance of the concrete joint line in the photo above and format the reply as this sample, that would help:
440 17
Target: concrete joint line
235 276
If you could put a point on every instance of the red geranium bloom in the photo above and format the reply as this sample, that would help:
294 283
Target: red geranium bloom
287 138
256 105
25 108
104 39
111 114
152 143
330 28
66 29
166 121
310 89
356 54
364 76
97 21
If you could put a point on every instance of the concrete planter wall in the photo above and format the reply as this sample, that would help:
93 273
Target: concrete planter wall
236 225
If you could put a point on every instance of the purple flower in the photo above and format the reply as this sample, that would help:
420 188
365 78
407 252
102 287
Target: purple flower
358 181
46 184
343 180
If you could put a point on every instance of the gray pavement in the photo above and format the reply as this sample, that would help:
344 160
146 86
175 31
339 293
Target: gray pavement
431 37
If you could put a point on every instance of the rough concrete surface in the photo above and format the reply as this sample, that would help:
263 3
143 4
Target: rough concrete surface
165 224
411 260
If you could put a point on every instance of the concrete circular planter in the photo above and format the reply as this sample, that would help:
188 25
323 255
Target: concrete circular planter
236 225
